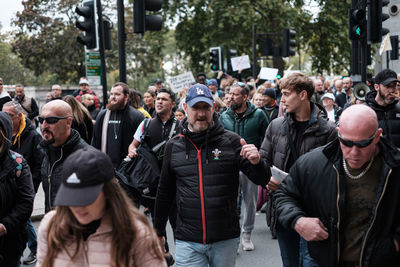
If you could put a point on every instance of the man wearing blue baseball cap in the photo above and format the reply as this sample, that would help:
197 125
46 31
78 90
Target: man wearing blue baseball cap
201 171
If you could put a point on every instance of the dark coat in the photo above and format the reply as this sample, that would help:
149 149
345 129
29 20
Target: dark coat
275 149
131 118
16 192
201 172
251 127
318 190
51 174
27 146
388 118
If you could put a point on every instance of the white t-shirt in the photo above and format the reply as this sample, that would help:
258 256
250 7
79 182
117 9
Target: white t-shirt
331 115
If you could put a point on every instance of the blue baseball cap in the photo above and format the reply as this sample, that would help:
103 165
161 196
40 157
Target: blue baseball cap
199 93
213 81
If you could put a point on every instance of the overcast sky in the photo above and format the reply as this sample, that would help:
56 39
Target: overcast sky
7 11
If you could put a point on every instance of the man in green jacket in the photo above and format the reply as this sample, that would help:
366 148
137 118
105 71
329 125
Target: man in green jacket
250 123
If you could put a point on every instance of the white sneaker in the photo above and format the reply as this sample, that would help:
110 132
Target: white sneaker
246 242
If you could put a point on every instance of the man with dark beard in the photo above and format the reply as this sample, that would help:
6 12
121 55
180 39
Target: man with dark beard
116 125
383 100
250 123
60 140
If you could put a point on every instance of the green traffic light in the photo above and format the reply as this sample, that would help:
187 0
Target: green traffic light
278 76
358 31
213 67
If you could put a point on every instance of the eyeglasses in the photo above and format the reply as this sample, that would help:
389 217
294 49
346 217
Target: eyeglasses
359 144
51 120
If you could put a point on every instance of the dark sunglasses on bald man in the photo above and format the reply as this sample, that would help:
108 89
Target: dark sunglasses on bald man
359 144
51 120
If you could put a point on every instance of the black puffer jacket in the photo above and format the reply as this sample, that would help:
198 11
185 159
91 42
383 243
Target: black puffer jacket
27 146
388 117
51 174
275 149
318 190
201 171
16 198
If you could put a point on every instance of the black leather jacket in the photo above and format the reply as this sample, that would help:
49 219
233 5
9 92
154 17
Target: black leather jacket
316 188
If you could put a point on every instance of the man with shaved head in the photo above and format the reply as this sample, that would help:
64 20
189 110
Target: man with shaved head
343 198
60 140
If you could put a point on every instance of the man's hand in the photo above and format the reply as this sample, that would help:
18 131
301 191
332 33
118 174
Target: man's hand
132 148
3 230
396 244
311 229
273 184
220 73
250 152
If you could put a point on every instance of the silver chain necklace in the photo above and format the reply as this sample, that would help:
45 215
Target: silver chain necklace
361 174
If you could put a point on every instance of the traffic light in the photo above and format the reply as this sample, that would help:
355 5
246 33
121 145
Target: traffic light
143 22
107 26
375 19
288 42
394 54
356 23
88 25
215 59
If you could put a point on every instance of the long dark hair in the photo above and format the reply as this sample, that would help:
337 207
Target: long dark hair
64 229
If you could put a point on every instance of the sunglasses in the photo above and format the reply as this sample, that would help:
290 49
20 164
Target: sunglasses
240 84
51 120
359 144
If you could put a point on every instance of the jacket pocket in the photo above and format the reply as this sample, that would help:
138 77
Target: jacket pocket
384 253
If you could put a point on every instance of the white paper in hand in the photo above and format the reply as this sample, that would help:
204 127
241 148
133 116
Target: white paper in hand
278 174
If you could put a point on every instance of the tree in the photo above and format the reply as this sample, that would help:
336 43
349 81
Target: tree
329 44
45 39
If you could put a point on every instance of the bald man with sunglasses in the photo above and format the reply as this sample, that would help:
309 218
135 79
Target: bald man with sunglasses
60 140
343 198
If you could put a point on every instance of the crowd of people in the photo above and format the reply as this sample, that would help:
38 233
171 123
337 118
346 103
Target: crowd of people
333 202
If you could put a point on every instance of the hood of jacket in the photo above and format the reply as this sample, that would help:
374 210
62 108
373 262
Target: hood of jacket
6 129
370 100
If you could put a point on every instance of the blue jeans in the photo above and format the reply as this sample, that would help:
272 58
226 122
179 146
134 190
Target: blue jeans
305 258
192 254
289 245
32 238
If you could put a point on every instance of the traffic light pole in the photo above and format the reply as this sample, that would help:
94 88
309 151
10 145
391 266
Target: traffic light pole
121 41
101 51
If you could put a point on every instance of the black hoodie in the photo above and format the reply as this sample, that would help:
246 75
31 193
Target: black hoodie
388 117
16 197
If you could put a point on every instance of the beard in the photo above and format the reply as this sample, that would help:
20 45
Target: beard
116 106
235 106
385 99
50 140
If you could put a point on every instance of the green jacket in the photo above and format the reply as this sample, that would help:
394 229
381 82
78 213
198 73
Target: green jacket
251 127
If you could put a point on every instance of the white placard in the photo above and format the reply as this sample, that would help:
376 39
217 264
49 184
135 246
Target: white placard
240 63
386 45
268 73
180 81
278 174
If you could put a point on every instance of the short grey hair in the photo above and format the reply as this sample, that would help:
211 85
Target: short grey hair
17 106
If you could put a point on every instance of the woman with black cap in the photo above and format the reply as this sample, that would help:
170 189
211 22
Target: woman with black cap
95 223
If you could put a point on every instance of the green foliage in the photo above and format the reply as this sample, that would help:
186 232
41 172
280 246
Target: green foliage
45 40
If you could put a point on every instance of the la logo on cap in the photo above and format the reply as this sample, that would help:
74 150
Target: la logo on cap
200 91
73 179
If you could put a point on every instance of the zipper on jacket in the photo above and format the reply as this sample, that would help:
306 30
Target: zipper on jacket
373 220
338 212
85 253
200 169
49 177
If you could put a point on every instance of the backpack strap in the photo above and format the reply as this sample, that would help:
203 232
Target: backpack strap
145 129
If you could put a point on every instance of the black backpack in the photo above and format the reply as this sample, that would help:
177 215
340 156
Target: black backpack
139 176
